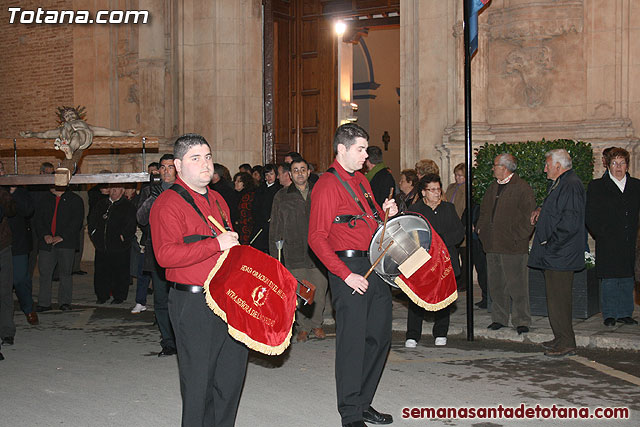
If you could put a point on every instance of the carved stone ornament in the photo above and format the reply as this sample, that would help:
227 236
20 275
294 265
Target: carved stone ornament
536 21
532 65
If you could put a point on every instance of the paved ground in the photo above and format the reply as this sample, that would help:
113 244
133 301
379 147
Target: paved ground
97 366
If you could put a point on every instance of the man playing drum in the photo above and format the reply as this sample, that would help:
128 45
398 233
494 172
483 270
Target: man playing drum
343 219
211 364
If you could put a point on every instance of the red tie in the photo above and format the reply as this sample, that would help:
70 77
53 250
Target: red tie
55 216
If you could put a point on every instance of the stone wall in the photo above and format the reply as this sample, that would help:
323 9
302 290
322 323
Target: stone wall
545 69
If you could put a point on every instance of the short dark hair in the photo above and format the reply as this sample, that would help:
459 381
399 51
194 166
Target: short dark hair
299 160
428 179
167 156
46 165
410 176
246 179
155 164
294 155
269 167
375 154
221 171
244 166
285 166
186 142
257 168
346 135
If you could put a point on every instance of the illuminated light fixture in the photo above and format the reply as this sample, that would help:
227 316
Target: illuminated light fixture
340 27
354 107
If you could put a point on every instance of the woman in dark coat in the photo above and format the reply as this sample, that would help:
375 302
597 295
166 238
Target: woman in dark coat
245 188
445 221
613 203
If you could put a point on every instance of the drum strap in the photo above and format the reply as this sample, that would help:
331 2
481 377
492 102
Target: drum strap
351 219
187 197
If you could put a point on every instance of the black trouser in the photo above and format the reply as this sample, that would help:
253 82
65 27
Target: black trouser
480 263
415 317
111 275
363 338
558 285
211 364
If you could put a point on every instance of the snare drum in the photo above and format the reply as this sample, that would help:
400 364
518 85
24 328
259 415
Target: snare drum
409 233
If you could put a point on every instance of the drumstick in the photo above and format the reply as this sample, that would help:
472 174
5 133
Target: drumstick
377 261
217 224
386 217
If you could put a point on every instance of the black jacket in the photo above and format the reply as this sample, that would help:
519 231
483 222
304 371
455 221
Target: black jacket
112 226
20 224
68 220
612 219
262 204
381 183
445 221
559 239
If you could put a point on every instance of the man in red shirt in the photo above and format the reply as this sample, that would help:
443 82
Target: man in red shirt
211 364
340 229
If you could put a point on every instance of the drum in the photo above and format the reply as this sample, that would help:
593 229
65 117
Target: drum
409 233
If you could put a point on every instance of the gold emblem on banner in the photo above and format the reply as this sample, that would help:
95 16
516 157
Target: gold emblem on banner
259 295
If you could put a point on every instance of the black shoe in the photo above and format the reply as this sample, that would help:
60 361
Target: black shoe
117 301
495 326
41 308
150 291
628 321
560 352
55 279
522 329
79 273
355 424
7 341
374 417
609 321
1 356
167 351
482 304
549 345
100 301
65 307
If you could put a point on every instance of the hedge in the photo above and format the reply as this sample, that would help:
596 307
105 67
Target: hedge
531 161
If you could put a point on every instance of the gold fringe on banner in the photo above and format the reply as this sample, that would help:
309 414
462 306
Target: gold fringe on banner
418 301
236 334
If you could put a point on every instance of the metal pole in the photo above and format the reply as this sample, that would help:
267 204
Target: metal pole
468 152
15 157
144 154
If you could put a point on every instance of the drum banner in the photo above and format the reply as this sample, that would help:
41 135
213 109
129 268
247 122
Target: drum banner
256 296
433 285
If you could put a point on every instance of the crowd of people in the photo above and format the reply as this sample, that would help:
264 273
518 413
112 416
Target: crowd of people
308 223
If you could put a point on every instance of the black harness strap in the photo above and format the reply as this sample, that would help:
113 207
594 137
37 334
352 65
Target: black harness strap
187 197
351 219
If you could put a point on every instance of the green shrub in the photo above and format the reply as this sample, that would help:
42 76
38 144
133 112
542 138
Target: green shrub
531 162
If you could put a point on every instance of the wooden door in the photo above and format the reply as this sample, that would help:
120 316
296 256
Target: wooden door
304 81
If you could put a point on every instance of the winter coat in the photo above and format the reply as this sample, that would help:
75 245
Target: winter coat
612 219
559 239
112 226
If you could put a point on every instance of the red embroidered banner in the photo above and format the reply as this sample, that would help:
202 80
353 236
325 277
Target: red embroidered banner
432 286
256 295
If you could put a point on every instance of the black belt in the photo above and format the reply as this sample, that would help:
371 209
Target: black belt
351 253
194 289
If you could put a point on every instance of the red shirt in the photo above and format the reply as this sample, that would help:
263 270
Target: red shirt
329 199
171 219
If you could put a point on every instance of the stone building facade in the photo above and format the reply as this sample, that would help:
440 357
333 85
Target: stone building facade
550 68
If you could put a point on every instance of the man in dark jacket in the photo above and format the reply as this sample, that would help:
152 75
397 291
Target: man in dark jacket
290 224
7 326
160 287
262 204
558 247
378 175
504 227
57 220
613 203
112 225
